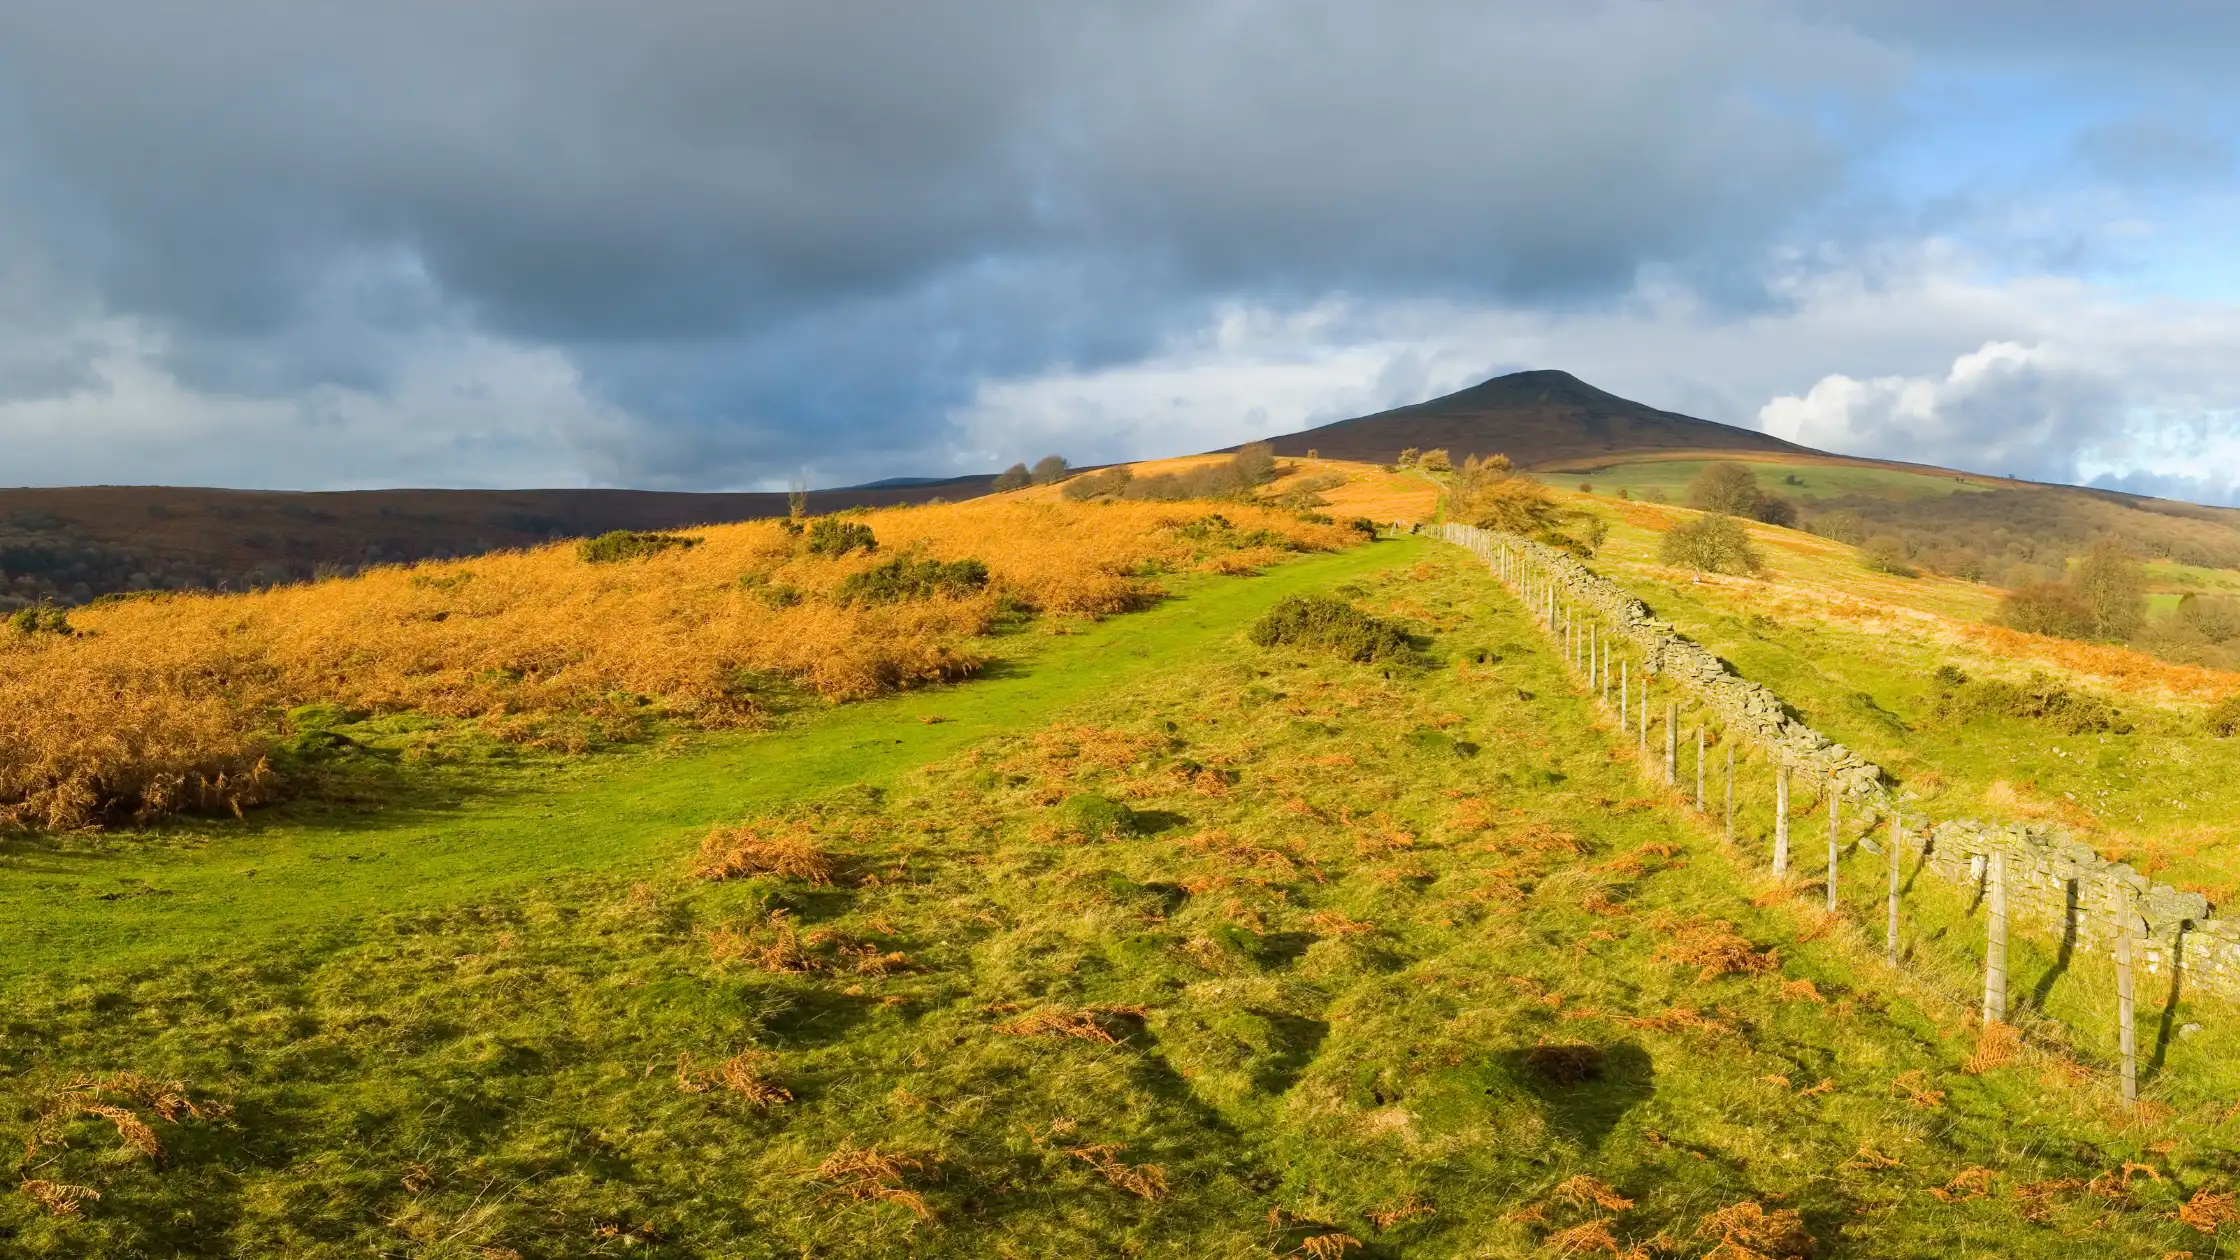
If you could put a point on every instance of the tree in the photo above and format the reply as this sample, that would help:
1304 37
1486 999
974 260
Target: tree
1489 494
1013 478
1714 543
1732 488
2113 586
1886 553
1725 487
1437 461
1050 468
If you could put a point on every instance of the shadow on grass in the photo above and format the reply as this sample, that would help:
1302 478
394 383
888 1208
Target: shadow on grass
2044 988
1585 1089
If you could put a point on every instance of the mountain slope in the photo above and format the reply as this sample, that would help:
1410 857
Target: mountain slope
71 543
1532 417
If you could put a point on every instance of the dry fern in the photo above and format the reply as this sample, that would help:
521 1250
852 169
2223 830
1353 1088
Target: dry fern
1145 1181
866 1174
754 849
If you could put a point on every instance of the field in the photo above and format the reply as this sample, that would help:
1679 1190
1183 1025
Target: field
1856 652
1163 945
1131 938
1799 478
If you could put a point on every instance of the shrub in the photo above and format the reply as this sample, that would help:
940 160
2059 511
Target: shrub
2046 608
617 545
1336 626
2214 618
907 578
1711 544
1013 478
1050 468
1436 461
1108 483
1887 554
2039 699
2223 718
831 536
42 619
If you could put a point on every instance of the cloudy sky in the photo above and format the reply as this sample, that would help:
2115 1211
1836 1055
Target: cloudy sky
727 243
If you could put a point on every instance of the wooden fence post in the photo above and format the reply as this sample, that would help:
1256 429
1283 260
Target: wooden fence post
1625 698
1730 791
2127 1044
1897 847
1835 842
1671 743
1995 944
1699 768
1780 821
1644 716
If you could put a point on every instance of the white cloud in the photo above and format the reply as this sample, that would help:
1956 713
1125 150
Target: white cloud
460 410
1919 357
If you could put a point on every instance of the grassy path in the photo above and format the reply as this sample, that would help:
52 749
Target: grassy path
298 870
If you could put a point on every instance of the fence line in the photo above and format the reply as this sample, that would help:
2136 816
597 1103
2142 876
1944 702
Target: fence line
2057 871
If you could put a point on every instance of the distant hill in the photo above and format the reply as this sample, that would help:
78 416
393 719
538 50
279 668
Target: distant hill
1534 418
72 543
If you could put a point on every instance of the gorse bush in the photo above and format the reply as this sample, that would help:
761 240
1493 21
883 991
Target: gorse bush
1332 625
40 620
617 545
2041 698
833 536
1710 544
2223 718
908 577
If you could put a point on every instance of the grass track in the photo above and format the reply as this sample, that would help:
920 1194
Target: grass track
306 867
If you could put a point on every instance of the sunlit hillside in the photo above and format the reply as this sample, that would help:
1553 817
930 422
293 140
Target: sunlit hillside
145 706
2119 745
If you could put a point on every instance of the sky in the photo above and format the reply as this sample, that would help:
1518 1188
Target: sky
731 244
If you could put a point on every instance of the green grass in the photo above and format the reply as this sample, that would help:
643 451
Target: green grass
2157 796
1812 480
1349 906
504 825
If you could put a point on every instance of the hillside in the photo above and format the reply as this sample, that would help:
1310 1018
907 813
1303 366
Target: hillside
1156 942
73 543
1534 418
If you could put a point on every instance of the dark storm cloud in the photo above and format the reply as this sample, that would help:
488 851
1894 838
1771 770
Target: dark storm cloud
763 226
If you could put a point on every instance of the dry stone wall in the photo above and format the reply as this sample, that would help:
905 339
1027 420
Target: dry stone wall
2056 883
